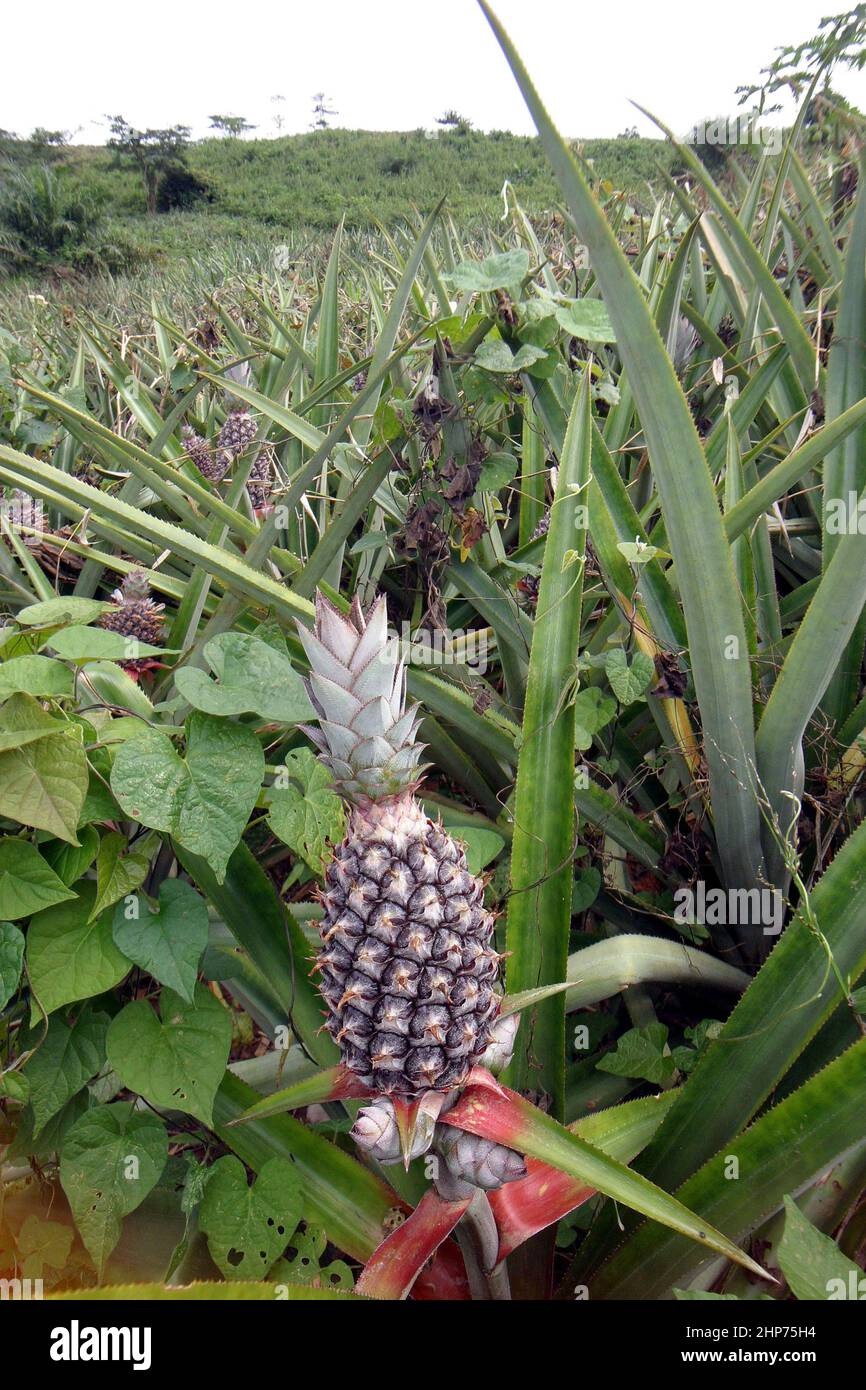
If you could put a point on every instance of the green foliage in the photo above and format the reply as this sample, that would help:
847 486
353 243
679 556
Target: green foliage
502 421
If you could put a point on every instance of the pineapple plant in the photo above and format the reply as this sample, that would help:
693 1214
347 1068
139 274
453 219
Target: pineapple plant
408 971
135 614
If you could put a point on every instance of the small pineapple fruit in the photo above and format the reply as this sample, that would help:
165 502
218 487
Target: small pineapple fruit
408 969
479 1162
203 456
135 615
237 433
259 482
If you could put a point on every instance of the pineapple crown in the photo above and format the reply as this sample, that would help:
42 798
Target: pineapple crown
357 686
134 588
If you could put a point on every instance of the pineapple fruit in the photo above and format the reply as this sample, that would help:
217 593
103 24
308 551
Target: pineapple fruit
407 966
135 615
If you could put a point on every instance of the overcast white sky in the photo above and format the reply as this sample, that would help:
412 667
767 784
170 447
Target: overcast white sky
388 64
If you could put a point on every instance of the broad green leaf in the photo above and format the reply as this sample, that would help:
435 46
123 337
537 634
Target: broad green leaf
480 845
112 1157
168 943
34 675
43 1245
70 862
252 676
640 1052
593 709
11 960
189 797
497 471
99 644
25 721
61 611
69 956
499 272
628 681
44 783
70 1055
27 883
249 1226
587 319
306 813
117 873
176 1059
813 1264
494 355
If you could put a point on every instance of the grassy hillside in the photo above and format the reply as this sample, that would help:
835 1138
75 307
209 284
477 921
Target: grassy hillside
314 179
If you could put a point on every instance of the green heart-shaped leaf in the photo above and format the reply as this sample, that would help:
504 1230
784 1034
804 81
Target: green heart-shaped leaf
111 1158
168 943
27 883
175 1060
69 956
248 1228
204 799
253 677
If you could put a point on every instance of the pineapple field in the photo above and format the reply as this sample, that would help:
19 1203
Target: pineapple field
433 859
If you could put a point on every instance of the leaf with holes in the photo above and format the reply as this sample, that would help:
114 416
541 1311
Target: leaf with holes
111 1158
248 1227
304 1265
306 814
176 1059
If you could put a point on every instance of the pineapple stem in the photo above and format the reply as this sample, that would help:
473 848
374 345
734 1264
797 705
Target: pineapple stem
478 1237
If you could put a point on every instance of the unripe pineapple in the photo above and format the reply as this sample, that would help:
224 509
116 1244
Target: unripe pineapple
208 463
238 431
135 615
407 967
